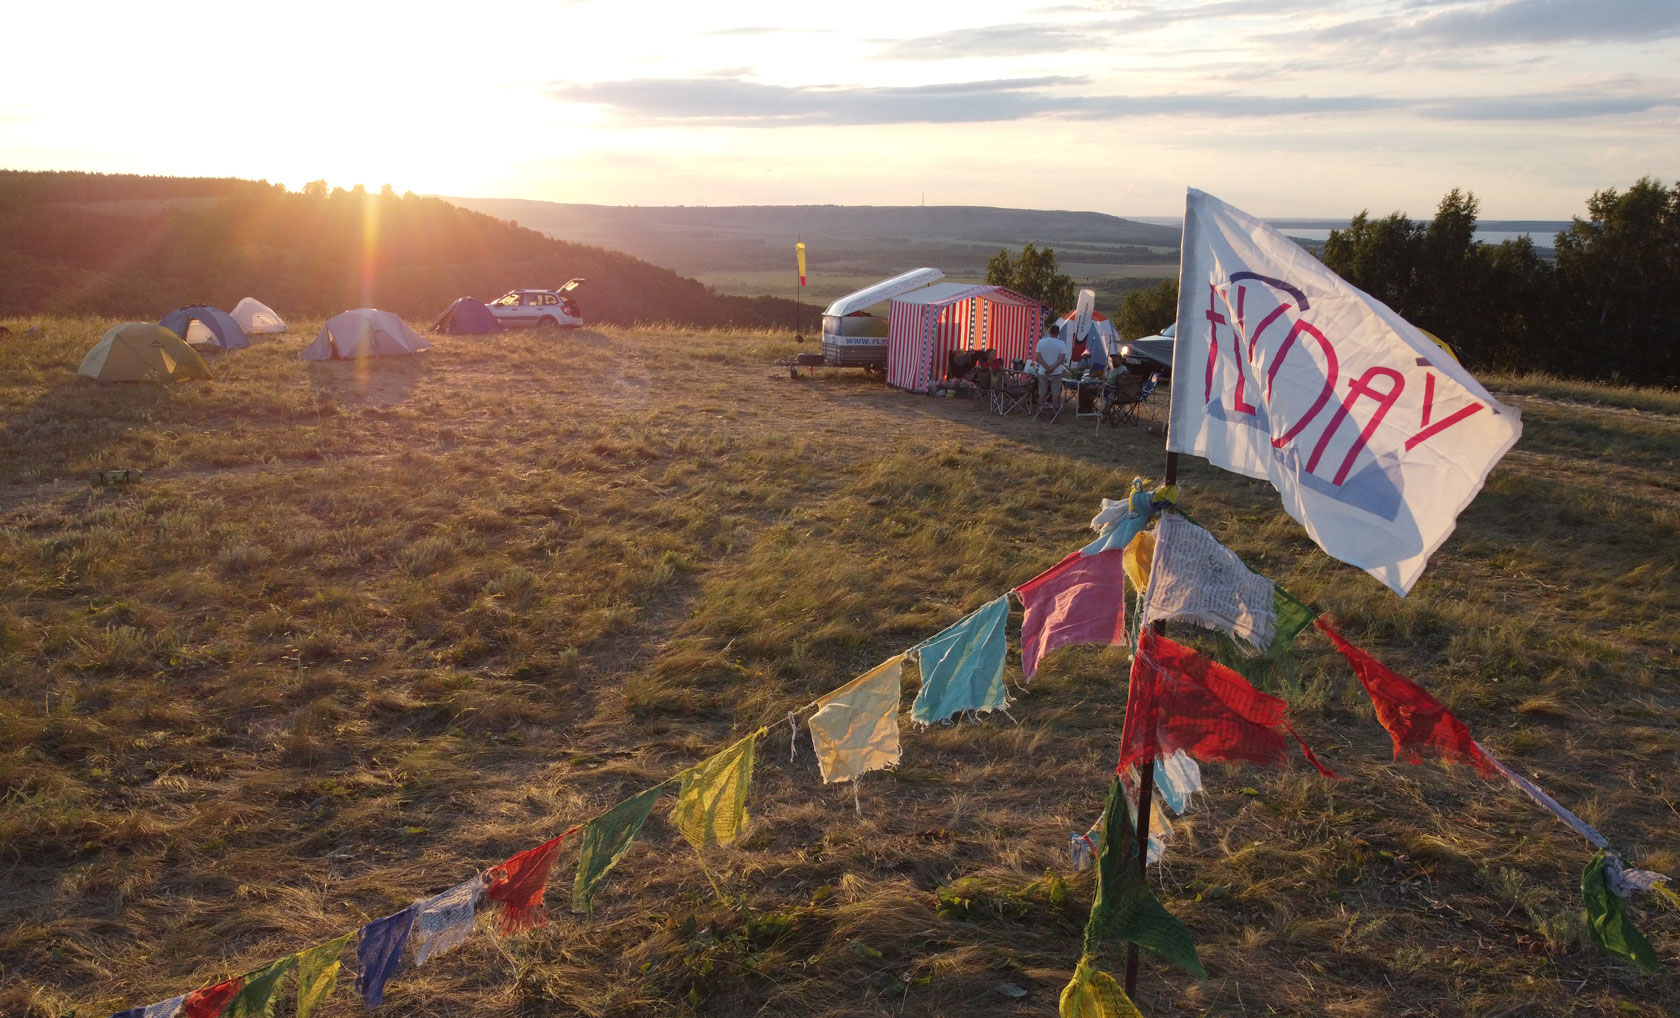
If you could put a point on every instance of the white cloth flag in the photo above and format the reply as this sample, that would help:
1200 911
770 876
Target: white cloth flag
1195 579
1624 881
1177 777
855 729
442 922
1375 437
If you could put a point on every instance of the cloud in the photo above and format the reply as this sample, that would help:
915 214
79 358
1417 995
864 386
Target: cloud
1077 38
751 104
768 30
996 41
724 101
1545 107
1515 23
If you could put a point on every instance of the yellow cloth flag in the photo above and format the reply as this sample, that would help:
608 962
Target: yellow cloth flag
712 807
318 973
1093 993
855 728
1139 554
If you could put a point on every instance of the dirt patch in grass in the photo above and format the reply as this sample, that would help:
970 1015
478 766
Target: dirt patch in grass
360 630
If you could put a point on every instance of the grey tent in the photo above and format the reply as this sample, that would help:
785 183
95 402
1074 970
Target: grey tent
364 332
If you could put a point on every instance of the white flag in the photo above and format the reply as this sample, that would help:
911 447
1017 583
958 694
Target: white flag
1194 578
1374 436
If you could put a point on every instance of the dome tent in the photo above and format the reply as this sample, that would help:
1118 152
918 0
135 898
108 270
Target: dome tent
1099 333
364 332
467 316
256 318
203 325
142 352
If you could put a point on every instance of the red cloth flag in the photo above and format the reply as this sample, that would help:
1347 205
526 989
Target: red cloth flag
519 884
1414 719
208 1001
1182 700
1081 599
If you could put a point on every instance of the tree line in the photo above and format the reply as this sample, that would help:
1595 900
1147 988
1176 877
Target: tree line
80 243
1604 309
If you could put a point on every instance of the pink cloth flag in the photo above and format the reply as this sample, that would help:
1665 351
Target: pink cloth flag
1081 599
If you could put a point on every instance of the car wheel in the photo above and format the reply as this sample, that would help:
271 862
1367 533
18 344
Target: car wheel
547 322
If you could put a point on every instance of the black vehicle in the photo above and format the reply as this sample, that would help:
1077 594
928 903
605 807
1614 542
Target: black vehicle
1150 353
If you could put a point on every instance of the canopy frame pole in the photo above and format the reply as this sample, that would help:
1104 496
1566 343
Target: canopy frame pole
1146 789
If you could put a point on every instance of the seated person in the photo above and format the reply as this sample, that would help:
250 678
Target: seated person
962 366
987 364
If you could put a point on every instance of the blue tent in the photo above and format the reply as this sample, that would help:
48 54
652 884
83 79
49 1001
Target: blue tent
467 316
216 327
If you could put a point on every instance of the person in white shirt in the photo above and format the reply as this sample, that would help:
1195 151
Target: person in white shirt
1051 356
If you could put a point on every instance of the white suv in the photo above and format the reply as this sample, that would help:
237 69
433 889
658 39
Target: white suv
538 309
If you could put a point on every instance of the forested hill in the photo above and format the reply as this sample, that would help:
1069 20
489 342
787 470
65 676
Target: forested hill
841 237
134 246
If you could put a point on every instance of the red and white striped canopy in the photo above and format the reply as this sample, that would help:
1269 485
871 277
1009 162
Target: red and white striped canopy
927 325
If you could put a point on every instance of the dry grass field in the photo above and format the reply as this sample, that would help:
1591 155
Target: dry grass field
360 631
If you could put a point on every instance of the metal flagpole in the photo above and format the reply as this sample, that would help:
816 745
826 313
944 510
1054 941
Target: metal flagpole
1146 786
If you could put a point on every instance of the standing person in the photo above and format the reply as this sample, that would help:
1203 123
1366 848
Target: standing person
1051 356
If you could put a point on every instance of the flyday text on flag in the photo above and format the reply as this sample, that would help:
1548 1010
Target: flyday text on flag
1374 436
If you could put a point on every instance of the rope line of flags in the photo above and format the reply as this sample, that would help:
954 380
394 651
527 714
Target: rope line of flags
1185 707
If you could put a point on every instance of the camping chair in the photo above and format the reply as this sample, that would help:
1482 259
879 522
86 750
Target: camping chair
1008 393
1143 397
1123 397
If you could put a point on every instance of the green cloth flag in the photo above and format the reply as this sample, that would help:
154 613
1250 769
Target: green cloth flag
605 840
712 806
1266 670
256 998
1607 921
318 973
1093 993
1124 908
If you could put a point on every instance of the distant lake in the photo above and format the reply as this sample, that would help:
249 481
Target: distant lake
1542 238
1493 231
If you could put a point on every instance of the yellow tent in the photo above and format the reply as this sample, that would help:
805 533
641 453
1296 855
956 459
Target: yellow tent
139 351
1438 341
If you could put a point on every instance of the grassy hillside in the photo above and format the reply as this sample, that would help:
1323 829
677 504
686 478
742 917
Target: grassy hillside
360 631
749 249
138 246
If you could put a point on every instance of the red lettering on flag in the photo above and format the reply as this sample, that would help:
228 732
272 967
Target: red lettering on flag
1444 423
1331 373
1215 320
1240 405
1359 387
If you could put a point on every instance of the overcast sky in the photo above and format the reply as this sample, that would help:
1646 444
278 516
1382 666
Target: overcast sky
1283 108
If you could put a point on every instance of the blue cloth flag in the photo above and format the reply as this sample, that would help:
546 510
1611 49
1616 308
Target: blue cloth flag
380 953
962 667
162 1009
